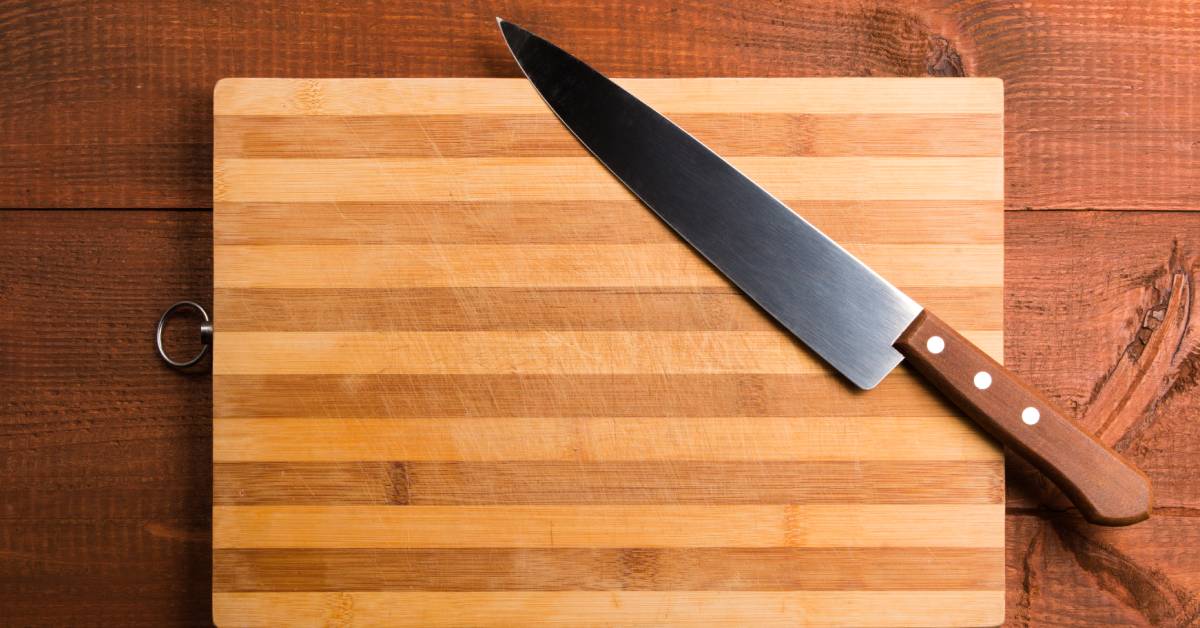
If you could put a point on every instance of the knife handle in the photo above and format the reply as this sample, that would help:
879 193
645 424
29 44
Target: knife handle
1106 488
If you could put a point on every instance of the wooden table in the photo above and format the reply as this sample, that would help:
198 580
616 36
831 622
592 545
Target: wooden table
105 459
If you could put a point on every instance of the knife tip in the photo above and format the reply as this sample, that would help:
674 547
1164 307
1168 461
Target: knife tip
506 25
514 35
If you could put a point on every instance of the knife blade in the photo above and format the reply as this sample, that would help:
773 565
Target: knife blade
848 314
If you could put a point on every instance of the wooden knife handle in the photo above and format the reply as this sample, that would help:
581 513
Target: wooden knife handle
1105 487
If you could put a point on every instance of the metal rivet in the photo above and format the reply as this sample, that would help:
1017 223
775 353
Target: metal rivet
935 344
983 379
1031 416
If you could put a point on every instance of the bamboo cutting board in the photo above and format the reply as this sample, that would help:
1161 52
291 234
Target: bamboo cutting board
464 378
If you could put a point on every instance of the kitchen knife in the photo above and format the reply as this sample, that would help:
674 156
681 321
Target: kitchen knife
854 319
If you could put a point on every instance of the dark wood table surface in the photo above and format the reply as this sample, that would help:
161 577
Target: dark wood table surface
105 115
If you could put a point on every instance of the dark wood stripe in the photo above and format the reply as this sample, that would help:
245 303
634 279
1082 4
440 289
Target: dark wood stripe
582 222
523 309
632 569
684 482
498 395
281 483
539 135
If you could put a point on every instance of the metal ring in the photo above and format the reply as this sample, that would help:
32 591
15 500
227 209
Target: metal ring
205 333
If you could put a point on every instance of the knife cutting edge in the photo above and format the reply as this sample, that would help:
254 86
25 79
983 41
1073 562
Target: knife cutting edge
854 319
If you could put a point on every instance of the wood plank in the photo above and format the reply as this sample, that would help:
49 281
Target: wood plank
941 221
500 395
300 180
642 569
1145 167
498 309
667 265
609 526
1123 360
340 97
940 437
480 134
547 352
638 482
105 455
594 608
1080 580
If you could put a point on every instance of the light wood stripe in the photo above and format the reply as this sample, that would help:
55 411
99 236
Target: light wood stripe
623 569
544 179
575 222
540 135
357 97
611 526
514 309
668 265
546 352
637 482
430 609
514 395
599 439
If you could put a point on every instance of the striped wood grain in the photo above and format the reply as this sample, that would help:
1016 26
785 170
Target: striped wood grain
437 482
599 569
598 438
608 526
463 377
607 608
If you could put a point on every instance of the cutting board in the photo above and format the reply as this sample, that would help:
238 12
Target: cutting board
462 377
